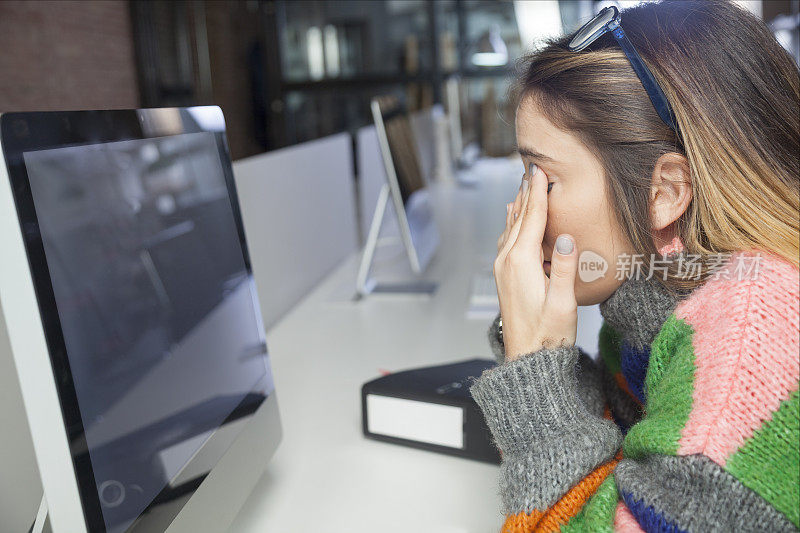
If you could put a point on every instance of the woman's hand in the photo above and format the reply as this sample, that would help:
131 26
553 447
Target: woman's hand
537 311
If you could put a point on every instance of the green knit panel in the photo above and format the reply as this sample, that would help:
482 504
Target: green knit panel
609 344
669 383
769 461
598 513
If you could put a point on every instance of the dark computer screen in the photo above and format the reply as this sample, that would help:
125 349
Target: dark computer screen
157 306
402 146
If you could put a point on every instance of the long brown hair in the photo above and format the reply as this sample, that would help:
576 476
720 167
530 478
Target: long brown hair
736 96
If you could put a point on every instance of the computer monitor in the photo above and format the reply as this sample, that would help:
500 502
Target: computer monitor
407 188
133 318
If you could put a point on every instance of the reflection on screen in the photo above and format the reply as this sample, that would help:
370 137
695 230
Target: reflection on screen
158 311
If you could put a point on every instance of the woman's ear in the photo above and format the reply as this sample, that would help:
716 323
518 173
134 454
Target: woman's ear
670 194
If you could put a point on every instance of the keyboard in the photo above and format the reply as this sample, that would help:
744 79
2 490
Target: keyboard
483 302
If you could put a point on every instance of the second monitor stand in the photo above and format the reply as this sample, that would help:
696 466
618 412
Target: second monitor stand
365 283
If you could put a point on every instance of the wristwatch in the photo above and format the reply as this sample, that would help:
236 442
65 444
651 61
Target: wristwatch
500 329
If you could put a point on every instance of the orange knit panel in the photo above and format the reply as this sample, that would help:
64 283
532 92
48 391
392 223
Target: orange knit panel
567 507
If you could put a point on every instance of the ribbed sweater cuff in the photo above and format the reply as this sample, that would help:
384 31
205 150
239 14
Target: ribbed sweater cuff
531 397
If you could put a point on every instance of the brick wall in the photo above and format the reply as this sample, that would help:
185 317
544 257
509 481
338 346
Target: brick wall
66 55
232 29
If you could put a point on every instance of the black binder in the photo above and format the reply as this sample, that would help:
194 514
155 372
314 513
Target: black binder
430 397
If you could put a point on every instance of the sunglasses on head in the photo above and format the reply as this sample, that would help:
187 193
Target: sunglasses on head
609 20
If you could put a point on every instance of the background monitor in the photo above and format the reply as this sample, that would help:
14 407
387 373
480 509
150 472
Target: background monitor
133 318
408 187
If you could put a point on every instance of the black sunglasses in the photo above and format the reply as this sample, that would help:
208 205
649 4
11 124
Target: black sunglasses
608 20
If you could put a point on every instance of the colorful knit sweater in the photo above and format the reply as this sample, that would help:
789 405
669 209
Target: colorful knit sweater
689 420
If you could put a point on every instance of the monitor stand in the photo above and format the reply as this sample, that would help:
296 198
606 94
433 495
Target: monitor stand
41 524
365 284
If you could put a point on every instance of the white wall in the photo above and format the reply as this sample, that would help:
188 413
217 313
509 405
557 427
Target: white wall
299 214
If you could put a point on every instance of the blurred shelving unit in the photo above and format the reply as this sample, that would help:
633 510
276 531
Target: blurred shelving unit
288 71
335 55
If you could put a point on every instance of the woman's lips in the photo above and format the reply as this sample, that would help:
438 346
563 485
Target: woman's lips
546 267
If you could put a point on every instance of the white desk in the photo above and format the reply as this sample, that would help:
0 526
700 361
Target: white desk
325 475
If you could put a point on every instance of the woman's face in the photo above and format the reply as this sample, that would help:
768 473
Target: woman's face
577 202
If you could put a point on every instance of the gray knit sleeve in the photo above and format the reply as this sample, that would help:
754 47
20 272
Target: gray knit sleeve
590 376
590 384
551 434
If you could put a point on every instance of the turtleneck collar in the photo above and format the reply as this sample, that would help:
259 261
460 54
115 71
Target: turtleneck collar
639 307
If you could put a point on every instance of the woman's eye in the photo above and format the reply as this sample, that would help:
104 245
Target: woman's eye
549 186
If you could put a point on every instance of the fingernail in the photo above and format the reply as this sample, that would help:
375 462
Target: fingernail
564 245
508 208
532 169
524 186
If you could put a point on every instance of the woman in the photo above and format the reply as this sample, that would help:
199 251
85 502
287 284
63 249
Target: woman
688 421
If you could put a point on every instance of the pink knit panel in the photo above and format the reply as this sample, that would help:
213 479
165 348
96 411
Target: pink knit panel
746 342
624 521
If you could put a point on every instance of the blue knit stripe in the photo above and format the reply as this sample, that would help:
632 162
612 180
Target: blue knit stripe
651 520
634 367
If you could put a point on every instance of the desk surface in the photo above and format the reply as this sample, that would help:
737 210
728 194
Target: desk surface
325 475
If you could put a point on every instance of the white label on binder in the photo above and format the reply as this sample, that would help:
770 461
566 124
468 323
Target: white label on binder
432 423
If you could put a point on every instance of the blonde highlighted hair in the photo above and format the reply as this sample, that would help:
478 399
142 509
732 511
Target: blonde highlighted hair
736 96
